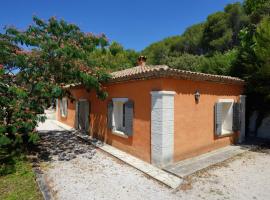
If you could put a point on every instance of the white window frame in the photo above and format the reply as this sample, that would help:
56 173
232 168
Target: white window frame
64 107
117 116
227 116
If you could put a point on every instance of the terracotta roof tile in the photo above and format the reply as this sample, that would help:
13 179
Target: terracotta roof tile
158 71
163 71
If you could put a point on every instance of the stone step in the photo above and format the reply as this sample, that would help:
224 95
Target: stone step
192 165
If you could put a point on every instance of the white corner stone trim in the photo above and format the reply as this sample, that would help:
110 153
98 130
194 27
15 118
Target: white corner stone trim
162 127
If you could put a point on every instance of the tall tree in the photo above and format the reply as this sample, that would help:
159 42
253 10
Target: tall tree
157 52
253 65
217 33
113 58
191 40
237 20
59 54
256 9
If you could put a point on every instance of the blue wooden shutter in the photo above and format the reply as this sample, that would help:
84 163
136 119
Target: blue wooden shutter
129 107
61 107
65 102
87 112
109 114
76 115
236 116
218 118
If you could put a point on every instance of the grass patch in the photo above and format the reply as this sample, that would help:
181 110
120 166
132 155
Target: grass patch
17 180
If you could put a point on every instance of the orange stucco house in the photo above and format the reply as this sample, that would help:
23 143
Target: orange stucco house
159 114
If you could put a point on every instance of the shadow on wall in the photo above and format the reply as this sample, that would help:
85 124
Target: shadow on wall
98 126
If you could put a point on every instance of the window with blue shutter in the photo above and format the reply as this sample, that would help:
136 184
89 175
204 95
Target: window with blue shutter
225 117
120 116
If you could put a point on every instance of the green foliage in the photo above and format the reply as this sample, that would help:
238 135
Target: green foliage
237 20
8 50
219 63
17 179
59 55
254 5
192 39
167 50
157 52
113 57
4 140
217 34
18 115
222 28
262 42
59 51
260 80
232 42
116 48
257 9
253 65
33 138
185 62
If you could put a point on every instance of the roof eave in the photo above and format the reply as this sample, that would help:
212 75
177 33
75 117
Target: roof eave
179 75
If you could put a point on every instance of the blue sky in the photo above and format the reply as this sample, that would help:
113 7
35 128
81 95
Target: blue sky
133 23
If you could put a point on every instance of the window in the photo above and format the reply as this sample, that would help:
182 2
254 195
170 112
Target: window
63 107
224 116
120 116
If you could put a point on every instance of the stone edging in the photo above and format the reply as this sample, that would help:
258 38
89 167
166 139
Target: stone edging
43 187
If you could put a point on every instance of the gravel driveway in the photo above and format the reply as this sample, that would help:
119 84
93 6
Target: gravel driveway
92 174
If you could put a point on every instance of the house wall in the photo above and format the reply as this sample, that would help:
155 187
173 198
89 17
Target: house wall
194 132
193 122
139 144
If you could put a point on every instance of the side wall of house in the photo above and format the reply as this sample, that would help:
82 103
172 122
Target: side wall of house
194 132
139 144
193 122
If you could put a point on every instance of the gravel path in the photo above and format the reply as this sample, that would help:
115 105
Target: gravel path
101 176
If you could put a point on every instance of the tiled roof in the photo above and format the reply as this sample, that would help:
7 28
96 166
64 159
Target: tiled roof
163 71
159 71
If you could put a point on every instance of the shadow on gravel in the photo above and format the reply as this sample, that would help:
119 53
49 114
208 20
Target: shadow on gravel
62 145
257 144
